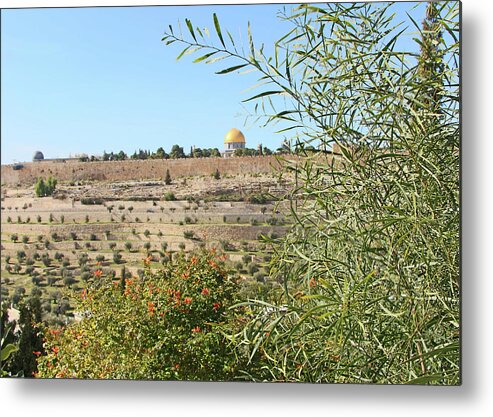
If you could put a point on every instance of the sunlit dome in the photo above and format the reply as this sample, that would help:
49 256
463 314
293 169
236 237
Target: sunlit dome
234 136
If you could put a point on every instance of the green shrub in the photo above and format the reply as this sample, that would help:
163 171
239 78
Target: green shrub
117 257
93 201
45 189
188 234
169 196
167 179
168 342
258 198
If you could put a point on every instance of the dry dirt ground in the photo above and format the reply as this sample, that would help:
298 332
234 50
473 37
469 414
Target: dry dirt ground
135 215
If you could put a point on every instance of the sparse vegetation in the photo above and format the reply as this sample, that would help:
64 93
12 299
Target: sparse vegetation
169 196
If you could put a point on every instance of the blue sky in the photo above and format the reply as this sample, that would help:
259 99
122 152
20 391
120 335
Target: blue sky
86 80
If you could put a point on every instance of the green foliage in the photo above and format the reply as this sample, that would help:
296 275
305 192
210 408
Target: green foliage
167 325
169 196
45 189
176 152
167 178
92 201
188 234
258 198
29 341
370 268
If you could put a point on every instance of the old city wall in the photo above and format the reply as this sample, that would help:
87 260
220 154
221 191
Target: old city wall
135 170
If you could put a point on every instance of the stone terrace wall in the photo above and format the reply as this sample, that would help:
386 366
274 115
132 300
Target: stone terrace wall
135 170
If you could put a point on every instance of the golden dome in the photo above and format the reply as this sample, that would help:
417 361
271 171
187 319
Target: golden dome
234 136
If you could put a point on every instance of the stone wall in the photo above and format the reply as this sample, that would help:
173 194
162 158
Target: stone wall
135 170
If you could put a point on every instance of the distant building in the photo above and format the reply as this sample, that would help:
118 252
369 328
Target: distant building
38 156
233 140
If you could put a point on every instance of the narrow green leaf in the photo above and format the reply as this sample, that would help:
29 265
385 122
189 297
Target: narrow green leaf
265 93
182 53
201 58
231 69
231 39
7 350
218 29
425 379
190 28
250 41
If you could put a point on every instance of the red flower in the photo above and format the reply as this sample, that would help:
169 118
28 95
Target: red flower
216 306
98 273
193 260
147 261
55 349
313 282
150 307
205 291
37 353
187 300
177 366
196 329
185 275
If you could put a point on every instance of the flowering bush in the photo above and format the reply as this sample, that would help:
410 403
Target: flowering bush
166 325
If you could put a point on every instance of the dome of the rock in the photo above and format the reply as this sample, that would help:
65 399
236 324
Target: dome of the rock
234 136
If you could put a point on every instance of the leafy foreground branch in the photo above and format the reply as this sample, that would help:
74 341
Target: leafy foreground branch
371 268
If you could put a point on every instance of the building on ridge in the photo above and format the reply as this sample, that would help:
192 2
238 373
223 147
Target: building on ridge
38 156
233 140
